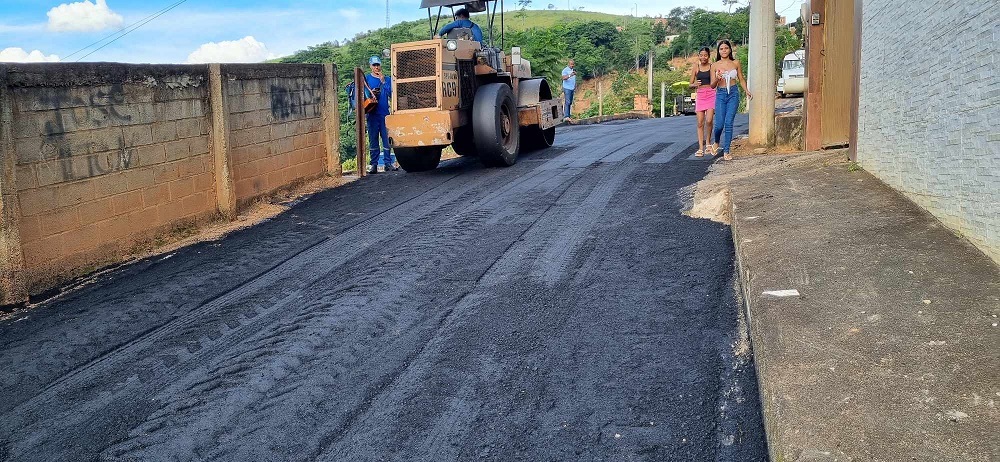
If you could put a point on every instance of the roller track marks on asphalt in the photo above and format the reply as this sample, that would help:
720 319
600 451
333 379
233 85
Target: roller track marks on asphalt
552 264
526 313
308 334
243 306
331 445
428 236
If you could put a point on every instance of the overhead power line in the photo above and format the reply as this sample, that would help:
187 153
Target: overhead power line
796 2
125 31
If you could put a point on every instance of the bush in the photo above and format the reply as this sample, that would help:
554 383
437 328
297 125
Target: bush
350 165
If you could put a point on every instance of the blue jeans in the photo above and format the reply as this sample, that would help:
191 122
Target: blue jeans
376 129
569 100
726 104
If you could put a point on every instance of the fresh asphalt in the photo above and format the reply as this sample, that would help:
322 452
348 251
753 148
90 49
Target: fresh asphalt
559 309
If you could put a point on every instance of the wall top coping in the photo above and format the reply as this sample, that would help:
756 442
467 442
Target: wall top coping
87 74
271 71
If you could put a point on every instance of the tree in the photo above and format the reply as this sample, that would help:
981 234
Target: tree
679 46
599 33
784 43
737 27
678 20
682 13
523 4
638 39
798 27
551 6
729 4
659 32
706 28
589 59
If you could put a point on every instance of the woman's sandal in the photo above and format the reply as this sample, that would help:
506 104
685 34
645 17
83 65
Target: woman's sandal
699 153
726 156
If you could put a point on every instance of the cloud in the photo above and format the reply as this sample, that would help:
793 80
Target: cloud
18 55
244 50
84 16
350 14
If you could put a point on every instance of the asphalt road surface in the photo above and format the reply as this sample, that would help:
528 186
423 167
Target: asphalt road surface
560 309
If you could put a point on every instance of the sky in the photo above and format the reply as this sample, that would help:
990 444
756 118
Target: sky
198 31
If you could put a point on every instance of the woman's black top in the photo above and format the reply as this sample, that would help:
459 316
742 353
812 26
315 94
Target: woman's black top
705 77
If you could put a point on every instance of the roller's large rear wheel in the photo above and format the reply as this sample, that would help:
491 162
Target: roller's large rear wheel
418 159
495 128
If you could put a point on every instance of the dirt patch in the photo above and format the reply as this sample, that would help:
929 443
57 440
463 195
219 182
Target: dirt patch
449 153
710 204
710 197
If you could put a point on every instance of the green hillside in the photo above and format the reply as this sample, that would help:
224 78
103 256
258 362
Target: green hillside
376 40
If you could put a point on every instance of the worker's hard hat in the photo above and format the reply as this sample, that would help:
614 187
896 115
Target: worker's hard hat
374 60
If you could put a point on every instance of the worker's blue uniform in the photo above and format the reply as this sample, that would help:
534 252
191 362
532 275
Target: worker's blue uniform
477 33
376 119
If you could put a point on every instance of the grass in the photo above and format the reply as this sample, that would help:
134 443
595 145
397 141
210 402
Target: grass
854 167
349 165
534 19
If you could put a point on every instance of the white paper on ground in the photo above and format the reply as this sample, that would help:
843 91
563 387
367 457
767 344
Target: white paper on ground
782 293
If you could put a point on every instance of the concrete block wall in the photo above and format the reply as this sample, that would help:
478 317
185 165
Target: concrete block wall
101 158
100 163
929 108
276 123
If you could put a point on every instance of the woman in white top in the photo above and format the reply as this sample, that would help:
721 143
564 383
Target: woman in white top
727 78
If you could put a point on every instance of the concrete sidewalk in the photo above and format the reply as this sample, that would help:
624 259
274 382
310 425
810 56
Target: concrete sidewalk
881 341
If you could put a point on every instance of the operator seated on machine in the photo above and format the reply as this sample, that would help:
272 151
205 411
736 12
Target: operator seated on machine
462 21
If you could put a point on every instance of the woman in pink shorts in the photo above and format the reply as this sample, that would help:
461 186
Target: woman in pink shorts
704 103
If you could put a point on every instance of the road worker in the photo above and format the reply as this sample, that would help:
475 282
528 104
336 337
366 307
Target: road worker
378 86
462 21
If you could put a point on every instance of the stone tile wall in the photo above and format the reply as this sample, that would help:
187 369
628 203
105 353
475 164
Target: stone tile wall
930 109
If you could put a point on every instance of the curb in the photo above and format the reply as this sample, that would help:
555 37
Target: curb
744 281
631 115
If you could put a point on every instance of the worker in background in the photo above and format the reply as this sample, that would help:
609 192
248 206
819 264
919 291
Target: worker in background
569 86
378 86
462 21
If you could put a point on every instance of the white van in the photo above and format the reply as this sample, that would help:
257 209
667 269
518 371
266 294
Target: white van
793 70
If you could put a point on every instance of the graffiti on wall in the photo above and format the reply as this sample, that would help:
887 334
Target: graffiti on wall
99 107
292 104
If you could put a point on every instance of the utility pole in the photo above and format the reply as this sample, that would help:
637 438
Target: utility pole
600 99
386 14
359 113
761 70
663 99
649 70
